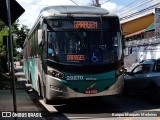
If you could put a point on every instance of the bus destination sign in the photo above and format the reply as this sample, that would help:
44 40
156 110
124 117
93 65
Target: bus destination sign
85 24
75 57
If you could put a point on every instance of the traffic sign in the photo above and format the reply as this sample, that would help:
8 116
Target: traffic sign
16 11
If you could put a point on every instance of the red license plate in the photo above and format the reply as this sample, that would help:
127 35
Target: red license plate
91 91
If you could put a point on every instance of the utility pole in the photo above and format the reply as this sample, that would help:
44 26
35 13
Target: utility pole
97 3
11 55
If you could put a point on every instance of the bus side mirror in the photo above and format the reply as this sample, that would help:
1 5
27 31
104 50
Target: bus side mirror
40 36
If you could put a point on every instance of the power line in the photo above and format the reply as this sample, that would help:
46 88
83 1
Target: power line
131 10
131 5
74 2
141 11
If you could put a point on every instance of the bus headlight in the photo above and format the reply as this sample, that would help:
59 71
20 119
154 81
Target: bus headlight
55 73
120 71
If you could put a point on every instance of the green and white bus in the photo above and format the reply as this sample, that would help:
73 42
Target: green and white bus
73 52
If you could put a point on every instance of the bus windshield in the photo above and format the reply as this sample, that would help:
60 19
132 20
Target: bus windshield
84 47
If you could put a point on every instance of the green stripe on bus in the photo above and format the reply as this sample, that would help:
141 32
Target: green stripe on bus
102 82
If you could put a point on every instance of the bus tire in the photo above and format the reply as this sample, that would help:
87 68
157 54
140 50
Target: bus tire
46 101
40 89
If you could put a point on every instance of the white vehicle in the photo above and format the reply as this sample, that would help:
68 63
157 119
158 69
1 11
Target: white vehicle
74 51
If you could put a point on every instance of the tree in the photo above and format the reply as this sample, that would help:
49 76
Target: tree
19 33
3 57
2 25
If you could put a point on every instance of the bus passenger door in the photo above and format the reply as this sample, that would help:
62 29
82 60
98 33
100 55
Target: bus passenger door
44 49
42 41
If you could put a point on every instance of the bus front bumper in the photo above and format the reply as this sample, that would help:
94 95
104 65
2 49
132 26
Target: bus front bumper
55 89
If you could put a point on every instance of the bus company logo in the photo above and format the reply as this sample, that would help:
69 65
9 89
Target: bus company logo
91 86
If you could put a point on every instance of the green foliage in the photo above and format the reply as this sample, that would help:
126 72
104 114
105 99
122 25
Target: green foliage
19 56
2 25
3 32
3 53
19 34
4 81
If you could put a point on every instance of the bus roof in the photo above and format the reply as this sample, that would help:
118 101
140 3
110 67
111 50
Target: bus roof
70 9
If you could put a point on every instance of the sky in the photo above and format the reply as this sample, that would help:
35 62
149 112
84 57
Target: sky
33 7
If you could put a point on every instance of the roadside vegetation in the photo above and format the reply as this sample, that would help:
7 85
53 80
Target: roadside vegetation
19 34
5 81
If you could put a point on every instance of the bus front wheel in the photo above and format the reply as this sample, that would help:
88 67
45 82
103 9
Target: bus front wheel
46 100
40 93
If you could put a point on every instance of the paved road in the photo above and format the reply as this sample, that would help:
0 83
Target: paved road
82 109
106 108
90 109
110 107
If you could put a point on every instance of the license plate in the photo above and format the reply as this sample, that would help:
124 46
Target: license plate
91 91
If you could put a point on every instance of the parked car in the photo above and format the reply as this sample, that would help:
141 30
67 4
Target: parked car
144 79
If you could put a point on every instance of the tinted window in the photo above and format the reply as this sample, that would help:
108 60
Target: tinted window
141 69
80 47
158 66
